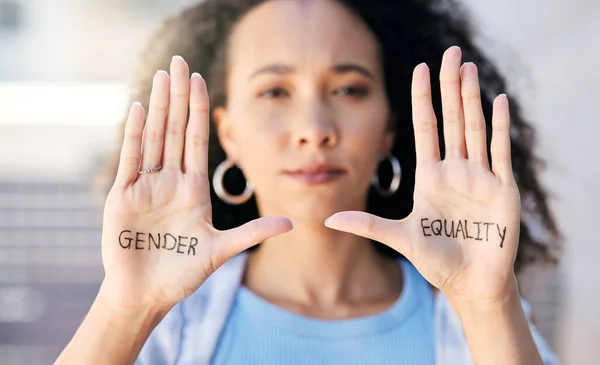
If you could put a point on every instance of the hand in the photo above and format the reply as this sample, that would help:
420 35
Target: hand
462 234
158 241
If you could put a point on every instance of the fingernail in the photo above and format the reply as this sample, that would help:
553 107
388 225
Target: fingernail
161 72
293 224
177 57
195 74
137 103
327 222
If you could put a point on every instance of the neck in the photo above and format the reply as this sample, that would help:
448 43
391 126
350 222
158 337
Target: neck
313 265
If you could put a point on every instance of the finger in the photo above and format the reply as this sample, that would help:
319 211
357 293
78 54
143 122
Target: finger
387 231
238 239
424 120
131 151
196 138
178 113
500 147
452 106
474 119
154 131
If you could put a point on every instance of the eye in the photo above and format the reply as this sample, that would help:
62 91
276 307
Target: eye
273 93
356 91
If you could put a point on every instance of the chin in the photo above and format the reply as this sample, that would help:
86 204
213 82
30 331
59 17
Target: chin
309 204
315 209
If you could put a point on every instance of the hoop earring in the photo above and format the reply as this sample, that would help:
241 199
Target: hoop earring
217 181
395 184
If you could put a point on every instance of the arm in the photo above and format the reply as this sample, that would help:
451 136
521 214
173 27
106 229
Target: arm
463 232
158 243
498 333
111 335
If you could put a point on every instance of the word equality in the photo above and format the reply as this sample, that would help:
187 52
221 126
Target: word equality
452 228
165 241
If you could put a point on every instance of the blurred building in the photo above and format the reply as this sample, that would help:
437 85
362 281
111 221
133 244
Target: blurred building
75 40
64 65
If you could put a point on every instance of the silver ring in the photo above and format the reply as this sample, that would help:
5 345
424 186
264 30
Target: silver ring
150 170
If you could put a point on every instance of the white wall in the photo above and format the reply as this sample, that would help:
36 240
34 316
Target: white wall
556 46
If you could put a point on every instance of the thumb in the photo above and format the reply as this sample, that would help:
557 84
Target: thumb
392 233
238 239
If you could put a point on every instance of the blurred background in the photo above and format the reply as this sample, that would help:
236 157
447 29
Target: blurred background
64 67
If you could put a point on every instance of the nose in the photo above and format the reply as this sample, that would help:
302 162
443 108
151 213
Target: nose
315 127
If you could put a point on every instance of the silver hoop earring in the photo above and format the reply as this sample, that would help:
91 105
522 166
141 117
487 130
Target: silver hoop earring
217 181
395 184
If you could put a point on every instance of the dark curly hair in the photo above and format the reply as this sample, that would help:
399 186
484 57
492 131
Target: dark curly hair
409 32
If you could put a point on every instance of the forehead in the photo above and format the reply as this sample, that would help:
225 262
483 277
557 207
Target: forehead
301 33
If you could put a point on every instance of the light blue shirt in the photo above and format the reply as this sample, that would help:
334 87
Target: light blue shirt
258 332
189 333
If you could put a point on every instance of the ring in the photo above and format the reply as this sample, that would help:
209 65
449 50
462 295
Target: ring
150 170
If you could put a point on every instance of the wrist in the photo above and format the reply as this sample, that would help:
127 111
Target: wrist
111 333
497 329
478 313
506 296
133 314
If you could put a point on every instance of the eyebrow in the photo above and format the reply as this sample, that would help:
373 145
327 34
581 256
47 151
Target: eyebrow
283 69
352 67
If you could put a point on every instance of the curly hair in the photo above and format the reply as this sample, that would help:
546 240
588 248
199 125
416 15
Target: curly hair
409 32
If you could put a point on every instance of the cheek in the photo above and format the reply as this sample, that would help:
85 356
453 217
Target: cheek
363 134
260 138
254 118
365 128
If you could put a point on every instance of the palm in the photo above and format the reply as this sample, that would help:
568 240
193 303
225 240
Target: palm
462 234
458 227
166 203
158 242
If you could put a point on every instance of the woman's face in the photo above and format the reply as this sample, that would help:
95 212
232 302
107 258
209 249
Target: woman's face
307 115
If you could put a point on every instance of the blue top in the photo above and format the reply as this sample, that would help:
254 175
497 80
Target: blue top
189 333
258 332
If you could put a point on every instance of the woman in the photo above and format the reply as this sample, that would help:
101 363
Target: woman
307 98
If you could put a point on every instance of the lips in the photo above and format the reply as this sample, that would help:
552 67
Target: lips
316 174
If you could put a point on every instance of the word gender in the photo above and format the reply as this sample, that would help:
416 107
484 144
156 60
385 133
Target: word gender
137 240
452 228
